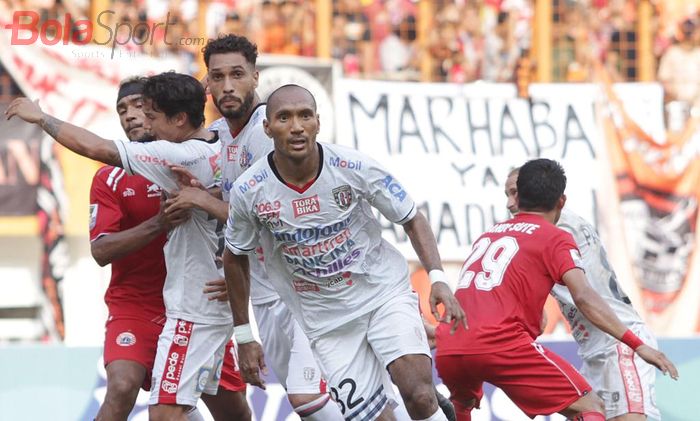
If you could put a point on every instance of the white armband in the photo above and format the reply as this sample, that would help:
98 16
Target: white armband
436 275
243 334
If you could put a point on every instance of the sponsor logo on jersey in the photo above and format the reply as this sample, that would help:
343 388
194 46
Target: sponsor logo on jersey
192 162
394 188
184 327
215 167
246 158
312 234
253 181
306 206
630 378
227 185
341 280
231 152
126 339
168 387
93 215
149 159
269 214
181 340
153 190
171 365
342 163
128 192
301 285
343 196
309 373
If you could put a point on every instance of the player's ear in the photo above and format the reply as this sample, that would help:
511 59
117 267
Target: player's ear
266 127
562 201
256 75
318 124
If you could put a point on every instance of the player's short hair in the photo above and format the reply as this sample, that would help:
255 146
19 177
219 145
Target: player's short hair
231 44
541 182
131 86
174 93
271 98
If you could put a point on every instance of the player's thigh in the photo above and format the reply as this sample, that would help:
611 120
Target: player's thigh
231 379
274 334
133 342
628 384
462 376
537 380
354 374
396 330
304 374
188 362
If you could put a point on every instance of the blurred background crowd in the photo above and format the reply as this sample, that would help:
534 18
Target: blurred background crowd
441 40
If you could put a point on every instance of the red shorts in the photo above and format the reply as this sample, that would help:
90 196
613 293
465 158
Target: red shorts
133 340
537 380
230 375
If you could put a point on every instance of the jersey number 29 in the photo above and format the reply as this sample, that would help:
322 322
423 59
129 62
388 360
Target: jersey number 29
495 258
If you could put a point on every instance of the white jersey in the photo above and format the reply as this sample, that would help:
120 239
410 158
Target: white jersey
591 340
323 240
190 253
238 153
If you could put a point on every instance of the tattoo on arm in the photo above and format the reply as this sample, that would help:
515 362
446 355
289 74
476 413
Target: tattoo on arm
51 125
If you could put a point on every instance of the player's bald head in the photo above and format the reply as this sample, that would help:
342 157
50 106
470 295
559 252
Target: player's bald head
286 94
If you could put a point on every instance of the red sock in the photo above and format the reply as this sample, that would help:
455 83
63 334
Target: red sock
589 416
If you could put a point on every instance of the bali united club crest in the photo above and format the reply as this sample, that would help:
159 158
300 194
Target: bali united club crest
343 196
245 158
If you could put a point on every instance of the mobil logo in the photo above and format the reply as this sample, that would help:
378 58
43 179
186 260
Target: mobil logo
336 161
253 181
394 188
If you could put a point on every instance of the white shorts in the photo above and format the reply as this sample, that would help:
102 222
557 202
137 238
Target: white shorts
623 380
287 349
188 362
355 355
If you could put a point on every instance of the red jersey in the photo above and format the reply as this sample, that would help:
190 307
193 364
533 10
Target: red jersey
119 201
504 284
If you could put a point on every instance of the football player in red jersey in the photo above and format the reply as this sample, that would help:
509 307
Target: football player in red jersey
503 286
128 231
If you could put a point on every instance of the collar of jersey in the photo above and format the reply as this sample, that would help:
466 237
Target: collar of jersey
237 132
306 186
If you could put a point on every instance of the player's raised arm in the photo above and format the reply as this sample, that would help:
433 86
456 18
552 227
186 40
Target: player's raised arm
81 141
423 242
602 316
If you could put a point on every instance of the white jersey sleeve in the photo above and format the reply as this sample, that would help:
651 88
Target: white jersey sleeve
241 228
387 195
151 160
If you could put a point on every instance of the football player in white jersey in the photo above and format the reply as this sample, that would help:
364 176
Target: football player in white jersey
309 206
232 79
191 346
621 378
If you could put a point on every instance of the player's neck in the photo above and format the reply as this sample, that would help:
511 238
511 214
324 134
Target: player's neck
235 125
550 216
298 172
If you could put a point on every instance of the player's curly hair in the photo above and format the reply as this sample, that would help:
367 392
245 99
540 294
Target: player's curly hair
231 43
541 182
174 93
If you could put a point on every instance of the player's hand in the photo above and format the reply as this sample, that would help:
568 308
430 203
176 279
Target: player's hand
658 359
184 178
172 219
25 109
430 333
216 290
187 198
251 361
440 293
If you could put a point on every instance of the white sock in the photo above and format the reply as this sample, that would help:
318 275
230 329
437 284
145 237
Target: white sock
320 409
194 415
437 416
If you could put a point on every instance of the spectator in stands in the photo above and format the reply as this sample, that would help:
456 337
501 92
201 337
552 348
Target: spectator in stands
679 69
501 52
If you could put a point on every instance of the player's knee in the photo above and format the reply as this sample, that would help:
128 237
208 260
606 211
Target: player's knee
419 395
122 388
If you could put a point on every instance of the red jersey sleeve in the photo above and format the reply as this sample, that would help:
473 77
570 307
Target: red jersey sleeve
105 206
562 255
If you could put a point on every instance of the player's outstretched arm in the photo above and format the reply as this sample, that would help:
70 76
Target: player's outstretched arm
81 141
423 242
595 309
193 194
250 354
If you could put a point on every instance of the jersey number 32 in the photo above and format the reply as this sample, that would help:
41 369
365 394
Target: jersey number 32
495 258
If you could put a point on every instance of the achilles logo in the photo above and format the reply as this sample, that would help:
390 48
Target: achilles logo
181 340
172 366
305 206
168 387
